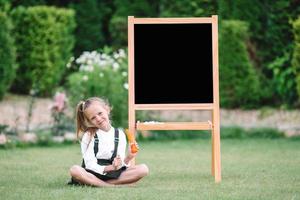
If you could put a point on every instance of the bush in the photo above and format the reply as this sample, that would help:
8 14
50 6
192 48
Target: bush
187 8
296 55
231 132
103 75
123 9
284 80
89 34
44 44
239 83
118 31
269 25
7 55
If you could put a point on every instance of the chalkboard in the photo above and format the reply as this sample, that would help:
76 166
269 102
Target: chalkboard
173 63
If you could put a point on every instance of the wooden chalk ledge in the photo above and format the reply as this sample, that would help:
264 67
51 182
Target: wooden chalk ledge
174 125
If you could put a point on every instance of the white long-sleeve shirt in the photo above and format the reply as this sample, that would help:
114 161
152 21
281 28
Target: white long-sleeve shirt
105 148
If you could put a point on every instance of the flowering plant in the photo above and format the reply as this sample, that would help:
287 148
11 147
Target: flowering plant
102 74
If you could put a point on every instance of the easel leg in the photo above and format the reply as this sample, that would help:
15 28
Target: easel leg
212 154
217 154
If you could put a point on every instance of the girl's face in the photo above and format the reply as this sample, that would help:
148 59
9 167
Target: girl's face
98 115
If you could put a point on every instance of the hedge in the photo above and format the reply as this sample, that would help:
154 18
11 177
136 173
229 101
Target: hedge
44 40
296 55
239 83
7 55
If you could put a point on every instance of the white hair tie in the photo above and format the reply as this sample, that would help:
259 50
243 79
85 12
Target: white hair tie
83 103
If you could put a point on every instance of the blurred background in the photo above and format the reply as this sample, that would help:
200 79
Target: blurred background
56 53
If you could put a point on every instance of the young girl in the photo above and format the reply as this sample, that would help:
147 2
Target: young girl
103 148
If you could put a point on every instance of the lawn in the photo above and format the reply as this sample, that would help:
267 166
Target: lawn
251 169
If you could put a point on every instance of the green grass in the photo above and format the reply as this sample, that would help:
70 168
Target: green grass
251 169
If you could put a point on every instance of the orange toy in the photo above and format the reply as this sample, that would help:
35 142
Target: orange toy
131 139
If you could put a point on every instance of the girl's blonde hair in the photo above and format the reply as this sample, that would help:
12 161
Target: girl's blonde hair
82 122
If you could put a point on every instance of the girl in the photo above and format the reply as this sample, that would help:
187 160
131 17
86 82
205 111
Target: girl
103 148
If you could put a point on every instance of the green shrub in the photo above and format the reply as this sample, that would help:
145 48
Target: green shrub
44 43
230 132
5 5
103 75
233 132
296 55
123 9
269 25
88 33
264 133
284 80
7 55
118 31
187 8
239 83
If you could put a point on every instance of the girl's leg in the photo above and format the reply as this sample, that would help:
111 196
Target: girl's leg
79 174
131 175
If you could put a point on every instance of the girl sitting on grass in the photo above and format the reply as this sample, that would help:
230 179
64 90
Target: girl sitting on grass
103 149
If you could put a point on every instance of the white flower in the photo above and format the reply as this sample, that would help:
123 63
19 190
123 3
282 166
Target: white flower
90 68
122 53
72 59
116 55
125 85
102 63
69 65
85 78
32 92
124 73
115 66
89 62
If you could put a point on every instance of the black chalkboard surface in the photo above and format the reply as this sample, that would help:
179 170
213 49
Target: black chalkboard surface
173 63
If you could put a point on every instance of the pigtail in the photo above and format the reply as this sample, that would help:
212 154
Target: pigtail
80 119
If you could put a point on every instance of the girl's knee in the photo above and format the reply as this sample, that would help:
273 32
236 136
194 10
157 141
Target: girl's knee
143 170
75 170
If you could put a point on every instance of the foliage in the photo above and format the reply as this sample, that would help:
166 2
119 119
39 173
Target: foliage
268 21
239 84
296 55
118 30
230 132
7 55
284 80
5 5
44 43
102 74
27 3
235 132
269 44
187 8
88 32
123 9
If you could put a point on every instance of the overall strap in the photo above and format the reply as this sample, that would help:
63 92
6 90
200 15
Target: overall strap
96 141
116 144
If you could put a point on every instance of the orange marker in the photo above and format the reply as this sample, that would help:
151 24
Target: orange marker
131 139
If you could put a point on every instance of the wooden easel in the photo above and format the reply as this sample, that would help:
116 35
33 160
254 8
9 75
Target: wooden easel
214 126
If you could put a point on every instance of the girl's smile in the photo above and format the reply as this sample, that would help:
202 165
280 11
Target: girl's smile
98 116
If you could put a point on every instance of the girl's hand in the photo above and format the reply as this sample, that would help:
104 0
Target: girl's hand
131 154
117 163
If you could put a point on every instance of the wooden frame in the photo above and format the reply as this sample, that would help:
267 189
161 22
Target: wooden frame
214 126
